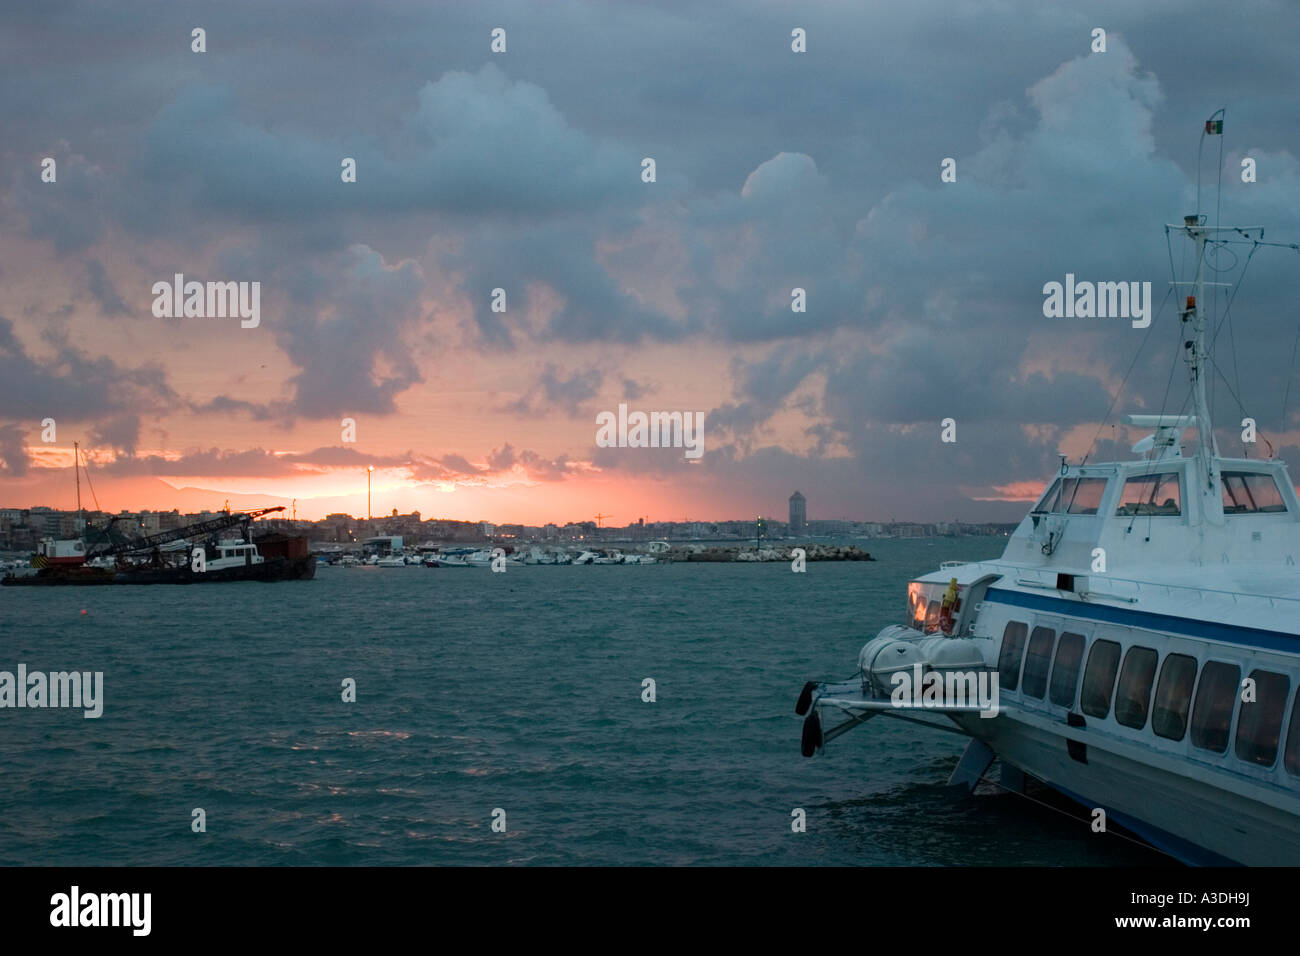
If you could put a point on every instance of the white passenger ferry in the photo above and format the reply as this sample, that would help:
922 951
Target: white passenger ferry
1144 628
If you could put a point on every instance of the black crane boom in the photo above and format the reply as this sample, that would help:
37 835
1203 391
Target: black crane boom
175 534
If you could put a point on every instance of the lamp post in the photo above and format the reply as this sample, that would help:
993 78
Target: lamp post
370 469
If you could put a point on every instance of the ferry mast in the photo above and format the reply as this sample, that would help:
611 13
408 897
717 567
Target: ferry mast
1198 347
1198 360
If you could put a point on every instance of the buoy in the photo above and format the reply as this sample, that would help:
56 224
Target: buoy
83 610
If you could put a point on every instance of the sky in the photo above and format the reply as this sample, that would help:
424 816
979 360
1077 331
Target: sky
523 171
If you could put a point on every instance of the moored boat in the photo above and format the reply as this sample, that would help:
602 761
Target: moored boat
148 560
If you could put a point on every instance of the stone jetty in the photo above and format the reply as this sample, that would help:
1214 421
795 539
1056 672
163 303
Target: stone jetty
813 552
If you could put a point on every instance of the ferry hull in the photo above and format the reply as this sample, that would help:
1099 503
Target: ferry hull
1232 803
1190 819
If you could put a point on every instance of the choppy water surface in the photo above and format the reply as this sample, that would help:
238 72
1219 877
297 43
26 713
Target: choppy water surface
476 691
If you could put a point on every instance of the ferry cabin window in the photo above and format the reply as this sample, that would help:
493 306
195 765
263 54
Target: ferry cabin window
1292 759
1174 696
1247 492
1260 725
1133 695
1013 648
1216 695
1074 496
932 617
1052 496
1099 678
1065 671
915 605
1151 495
1037 662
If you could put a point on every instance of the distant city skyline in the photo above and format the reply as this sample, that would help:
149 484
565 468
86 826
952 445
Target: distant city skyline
647 520
21 530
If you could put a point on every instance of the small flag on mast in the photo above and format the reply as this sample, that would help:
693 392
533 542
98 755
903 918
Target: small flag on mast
1214 127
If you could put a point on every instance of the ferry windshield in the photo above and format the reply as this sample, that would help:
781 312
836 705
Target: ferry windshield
1151 495
1246 492
1073 496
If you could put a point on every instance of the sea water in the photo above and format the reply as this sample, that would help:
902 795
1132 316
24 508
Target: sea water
499 718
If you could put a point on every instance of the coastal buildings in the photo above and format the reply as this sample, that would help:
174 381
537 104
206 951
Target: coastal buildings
22 528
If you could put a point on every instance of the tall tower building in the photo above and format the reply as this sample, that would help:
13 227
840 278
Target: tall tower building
798 513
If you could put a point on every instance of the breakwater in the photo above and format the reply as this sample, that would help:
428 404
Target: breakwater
814 552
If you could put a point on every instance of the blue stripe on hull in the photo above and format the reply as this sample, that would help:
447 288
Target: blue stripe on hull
1206 630
1182 850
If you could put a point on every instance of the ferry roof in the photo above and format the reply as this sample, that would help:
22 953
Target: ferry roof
1163 519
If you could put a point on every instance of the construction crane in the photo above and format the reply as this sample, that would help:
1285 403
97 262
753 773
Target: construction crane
226 520
599 517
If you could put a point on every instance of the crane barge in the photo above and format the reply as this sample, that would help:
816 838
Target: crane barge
149 542
143 560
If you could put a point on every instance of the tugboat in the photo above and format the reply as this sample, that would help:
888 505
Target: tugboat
1136 647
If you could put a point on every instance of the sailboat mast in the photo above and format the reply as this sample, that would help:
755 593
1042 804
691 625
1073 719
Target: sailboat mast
76 471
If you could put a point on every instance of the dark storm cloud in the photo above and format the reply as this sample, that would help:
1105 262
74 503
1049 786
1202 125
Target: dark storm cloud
260 463
337 456
102 289
763 386
13 451
633 390
562 257
476 143
503 465
337 352
255 462
211 461
69 212
73 385
121 434
952 275
224 405
344 322
553 392
536 466
456 464
666 462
